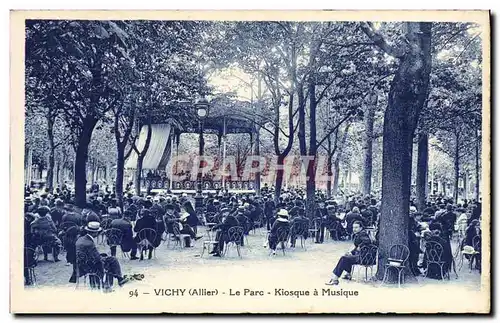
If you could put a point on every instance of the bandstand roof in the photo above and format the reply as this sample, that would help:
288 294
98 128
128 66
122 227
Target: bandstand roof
226 116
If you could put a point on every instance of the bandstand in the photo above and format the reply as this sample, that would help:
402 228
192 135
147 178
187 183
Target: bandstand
158 170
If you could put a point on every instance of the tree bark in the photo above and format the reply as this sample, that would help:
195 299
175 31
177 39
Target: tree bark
336 177
456 162
368 145
257 135
407 95
120 166
81 157
279 178
466 174
477 167
311 173
140 160
422 167
52 148
329 166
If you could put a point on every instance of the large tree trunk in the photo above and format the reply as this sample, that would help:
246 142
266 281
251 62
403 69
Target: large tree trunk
301 121
456 161
120 165
138 174
93 171
140 160
28 166
57 172
311 173
477 167
50 168
81 157
279 178
257 153
368 145
329 165
406 98
465 195
422 166
257 135
340 148
336 176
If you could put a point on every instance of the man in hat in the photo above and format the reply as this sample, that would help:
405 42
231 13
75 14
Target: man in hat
90 261
185 228
45 233
222 235
147 221
89 215
127 243
320 222
299 226
346 262
243 221
269 208
448 220
280 224
57 212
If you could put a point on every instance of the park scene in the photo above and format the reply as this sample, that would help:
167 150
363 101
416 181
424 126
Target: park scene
315 154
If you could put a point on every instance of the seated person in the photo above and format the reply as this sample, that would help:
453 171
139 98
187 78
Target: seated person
351 217
185 228
76 218
222 235
89 215
192 220
281 223
127 243
147 221
70 235
299 225
351 258
57 212
243 220
334 224
90 261
433 269
160 230
45 233
473 230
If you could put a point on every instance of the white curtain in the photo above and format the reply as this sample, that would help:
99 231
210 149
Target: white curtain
160 136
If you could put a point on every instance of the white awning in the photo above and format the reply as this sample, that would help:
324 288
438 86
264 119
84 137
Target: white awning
158 153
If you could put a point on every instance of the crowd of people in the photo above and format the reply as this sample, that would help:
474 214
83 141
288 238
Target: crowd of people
139 224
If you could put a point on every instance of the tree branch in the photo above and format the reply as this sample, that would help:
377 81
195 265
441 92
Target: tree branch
379 40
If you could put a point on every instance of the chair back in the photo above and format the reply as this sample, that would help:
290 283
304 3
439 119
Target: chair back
106 223
300 228
368 255
85 263
147 234
30 257
114 237
282 234
175 229
399 252
235 234
476 243
314 223
210 217
434 251
66 225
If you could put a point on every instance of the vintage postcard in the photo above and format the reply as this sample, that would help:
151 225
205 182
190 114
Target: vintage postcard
250 162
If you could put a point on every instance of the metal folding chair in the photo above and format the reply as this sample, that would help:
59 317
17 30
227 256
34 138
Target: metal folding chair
147 236
235 237
397 260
